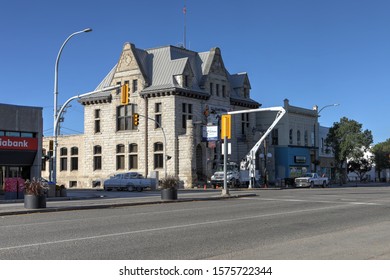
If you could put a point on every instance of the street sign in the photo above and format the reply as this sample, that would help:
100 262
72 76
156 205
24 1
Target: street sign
210 133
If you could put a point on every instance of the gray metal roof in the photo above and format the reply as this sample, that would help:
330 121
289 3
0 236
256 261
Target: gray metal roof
160 66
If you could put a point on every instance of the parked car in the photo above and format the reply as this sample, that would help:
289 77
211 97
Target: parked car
311 180
129 181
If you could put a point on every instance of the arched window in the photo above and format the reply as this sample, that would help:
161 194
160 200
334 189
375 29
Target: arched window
133 156
63 159
97 157
74 159
120 156
158 155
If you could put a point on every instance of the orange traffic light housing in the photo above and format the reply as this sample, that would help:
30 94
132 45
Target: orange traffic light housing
226 126
125 94
136 119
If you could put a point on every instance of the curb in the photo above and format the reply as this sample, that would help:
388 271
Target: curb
115 205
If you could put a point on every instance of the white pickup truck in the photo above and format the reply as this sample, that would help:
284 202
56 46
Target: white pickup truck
311 180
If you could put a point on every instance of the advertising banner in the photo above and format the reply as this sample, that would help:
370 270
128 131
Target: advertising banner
18 143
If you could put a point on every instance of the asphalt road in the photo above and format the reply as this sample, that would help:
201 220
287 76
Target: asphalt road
334 223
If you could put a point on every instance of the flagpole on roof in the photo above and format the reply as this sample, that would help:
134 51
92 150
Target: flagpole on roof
185 23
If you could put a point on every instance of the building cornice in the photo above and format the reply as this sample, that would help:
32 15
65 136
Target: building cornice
175 91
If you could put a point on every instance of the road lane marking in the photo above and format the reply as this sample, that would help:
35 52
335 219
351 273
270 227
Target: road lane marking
313 201
170 227
125 215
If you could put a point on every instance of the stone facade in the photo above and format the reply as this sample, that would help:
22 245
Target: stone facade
176 92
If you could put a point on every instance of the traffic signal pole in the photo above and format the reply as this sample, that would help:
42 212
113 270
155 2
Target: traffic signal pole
226 133
225 191
165 141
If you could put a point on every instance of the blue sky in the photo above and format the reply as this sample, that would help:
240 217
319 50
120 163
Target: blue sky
313 52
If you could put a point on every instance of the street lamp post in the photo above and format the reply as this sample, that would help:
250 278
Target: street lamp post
315 140
55 130
326 106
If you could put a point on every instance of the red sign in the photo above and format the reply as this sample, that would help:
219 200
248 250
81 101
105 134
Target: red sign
18 143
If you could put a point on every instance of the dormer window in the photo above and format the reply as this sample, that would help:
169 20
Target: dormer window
246 92
186 81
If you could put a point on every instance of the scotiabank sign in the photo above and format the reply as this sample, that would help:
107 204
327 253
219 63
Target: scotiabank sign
18 143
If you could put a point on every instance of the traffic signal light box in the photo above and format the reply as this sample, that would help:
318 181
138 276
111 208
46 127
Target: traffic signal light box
125 94
136 119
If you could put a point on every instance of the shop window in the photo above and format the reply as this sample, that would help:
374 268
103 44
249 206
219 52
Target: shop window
12 133
158 155
63 159
133 156
97 158
120 157
27 134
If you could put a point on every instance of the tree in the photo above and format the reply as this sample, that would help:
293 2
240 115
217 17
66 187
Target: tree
347 141
381 153
360 167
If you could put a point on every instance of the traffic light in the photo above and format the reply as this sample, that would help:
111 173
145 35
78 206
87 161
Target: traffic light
125 94
136 119
226 126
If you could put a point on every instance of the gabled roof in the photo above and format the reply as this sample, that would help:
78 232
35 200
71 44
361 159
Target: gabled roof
159 66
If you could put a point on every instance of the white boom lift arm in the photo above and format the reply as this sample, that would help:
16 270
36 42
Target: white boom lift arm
249 161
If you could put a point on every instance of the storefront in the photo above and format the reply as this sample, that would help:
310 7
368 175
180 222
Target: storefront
20 147
292 162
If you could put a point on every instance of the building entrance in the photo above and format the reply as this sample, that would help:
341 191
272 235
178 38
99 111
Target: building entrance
12 180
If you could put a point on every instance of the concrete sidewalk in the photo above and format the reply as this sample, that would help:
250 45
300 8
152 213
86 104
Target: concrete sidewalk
85 199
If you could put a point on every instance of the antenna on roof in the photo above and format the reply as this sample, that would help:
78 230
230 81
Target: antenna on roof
185 24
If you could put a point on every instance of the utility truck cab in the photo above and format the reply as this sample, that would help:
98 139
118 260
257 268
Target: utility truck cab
235 176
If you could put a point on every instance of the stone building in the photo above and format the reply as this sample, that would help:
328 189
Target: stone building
179 95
